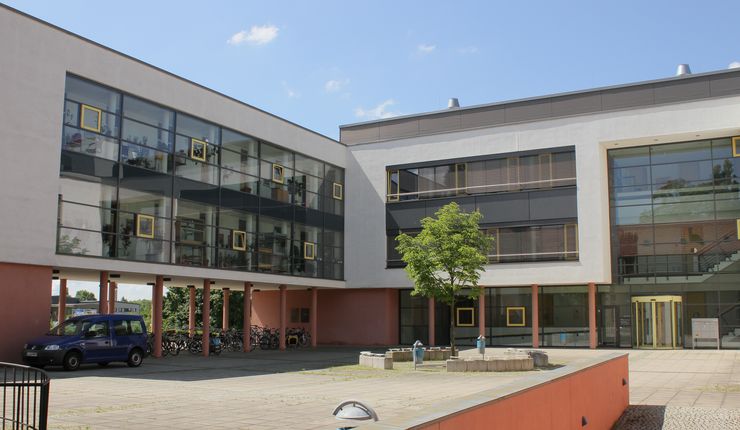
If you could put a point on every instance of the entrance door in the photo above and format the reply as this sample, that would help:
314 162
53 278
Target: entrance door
657 322
610 328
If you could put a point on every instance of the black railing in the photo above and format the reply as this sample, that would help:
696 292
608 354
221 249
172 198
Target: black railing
25 397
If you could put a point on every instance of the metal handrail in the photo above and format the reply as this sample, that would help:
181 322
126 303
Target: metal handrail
24 398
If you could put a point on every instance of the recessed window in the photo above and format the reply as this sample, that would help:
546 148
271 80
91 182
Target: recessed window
278 173
735 149
92 118
309 250
516 316
465 317
392 186
337 191
239 240
300 315
198 149
145 226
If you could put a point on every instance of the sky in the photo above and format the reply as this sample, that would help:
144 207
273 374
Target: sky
321 64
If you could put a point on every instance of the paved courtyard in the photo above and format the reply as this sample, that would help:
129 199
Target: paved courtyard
299 389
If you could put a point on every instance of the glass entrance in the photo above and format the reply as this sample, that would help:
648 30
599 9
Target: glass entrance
657 322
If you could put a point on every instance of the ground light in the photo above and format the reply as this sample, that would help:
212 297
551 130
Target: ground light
353 410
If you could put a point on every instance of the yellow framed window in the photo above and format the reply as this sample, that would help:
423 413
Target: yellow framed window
735 149
91 118
239 240
278 173
516 316
337 191
309 250
465 317
198 150
145 226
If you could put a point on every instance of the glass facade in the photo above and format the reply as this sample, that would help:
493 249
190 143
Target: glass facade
148 183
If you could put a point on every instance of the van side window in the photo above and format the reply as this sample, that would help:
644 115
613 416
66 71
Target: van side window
136 327
99 329
121 328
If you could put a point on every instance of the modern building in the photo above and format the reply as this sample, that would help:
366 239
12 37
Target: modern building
74 307
614 210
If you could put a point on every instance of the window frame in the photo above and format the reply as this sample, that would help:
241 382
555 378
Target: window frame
197 142
472 317
337 195
99 112
306 254
278 179
234 241
510 310
138 218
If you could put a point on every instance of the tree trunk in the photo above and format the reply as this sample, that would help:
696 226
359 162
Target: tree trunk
453 351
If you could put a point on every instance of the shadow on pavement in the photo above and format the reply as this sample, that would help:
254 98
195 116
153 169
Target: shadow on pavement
641 417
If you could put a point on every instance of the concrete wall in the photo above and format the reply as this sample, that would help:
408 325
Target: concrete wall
591 135
24 308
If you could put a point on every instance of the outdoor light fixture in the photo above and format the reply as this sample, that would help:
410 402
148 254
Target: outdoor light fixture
167 279
151 284
55 271
114 275
353 410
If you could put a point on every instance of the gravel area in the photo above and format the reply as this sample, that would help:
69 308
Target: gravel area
648 417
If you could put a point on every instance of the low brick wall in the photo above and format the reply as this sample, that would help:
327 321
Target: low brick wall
377 361
430 354
493 364
593 391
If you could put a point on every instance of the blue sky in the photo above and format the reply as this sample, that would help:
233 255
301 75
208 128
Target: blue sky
325 63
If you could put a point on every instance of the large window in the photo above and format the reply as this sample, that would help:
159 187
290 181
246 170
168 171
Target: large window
149 183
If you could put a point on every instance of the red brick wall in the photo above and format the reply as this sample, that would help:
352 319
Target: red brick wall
25 307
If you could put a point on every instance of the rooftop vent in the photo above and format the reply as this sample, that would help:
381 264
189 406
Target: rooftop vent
683 69
453 103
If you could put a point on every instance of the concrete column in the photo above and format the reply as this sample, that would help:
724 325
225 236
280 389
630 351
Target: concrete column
103 294
592 341
191 310
225 310
247 317
482 312
535 316
157 295
206 316
431 322
283 315
112 296
314 317
62 308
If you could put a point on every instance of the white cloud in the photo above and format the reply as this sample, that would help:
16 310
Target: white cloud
425 49
378 112
734 65
335 85
468 50
290 92
257 35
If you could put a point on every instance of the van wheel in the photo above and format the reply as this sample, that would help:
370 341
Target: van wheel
72 360
135 358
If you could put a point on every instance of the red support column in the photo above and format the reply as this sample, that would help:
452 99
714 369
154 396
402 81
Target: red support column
283 315
432 322
206 316
62 308
225 310
535 316
314 317
103 294
191 310
247 317
112 288
482 312
592 341
157 294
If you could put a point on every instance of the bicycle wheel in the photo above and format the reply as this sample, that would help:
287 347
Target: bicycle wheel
265 342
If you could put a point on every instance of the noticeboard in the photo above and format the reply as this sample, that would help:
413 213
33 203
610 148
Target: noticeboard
704 329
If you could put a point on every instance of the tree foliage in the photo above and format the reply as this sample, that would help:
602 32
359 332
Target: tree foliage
446 257
84 295
176 308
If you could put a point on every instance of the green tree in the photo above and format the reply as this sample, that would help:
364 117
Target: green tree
176 308
145 310
84 295
446 257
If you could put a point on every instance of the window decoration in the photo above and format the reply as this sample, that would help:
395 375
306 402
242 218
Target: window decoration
465 317
145 226
735 150
278 173
516 316
309 250
91 118
337 191
239 240
198 149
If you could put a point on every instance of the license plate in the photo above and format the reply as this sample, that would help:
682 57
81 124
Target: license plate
32 354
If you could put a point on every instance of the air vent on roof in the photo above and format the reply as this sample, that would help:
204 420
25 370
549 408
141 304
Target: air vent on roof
683 69
453 103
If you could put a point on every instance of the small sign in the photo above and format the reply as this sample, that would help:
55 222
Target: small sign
703 330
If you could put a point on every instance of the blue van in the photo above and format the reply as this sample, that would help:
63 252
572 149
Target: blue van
90 339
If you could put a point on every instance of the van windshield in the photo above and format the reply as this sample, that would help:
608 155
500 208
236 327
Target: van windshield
69 328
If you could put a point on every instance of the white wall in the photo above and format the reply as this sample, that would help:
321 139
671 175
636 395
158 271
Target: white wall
591 135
